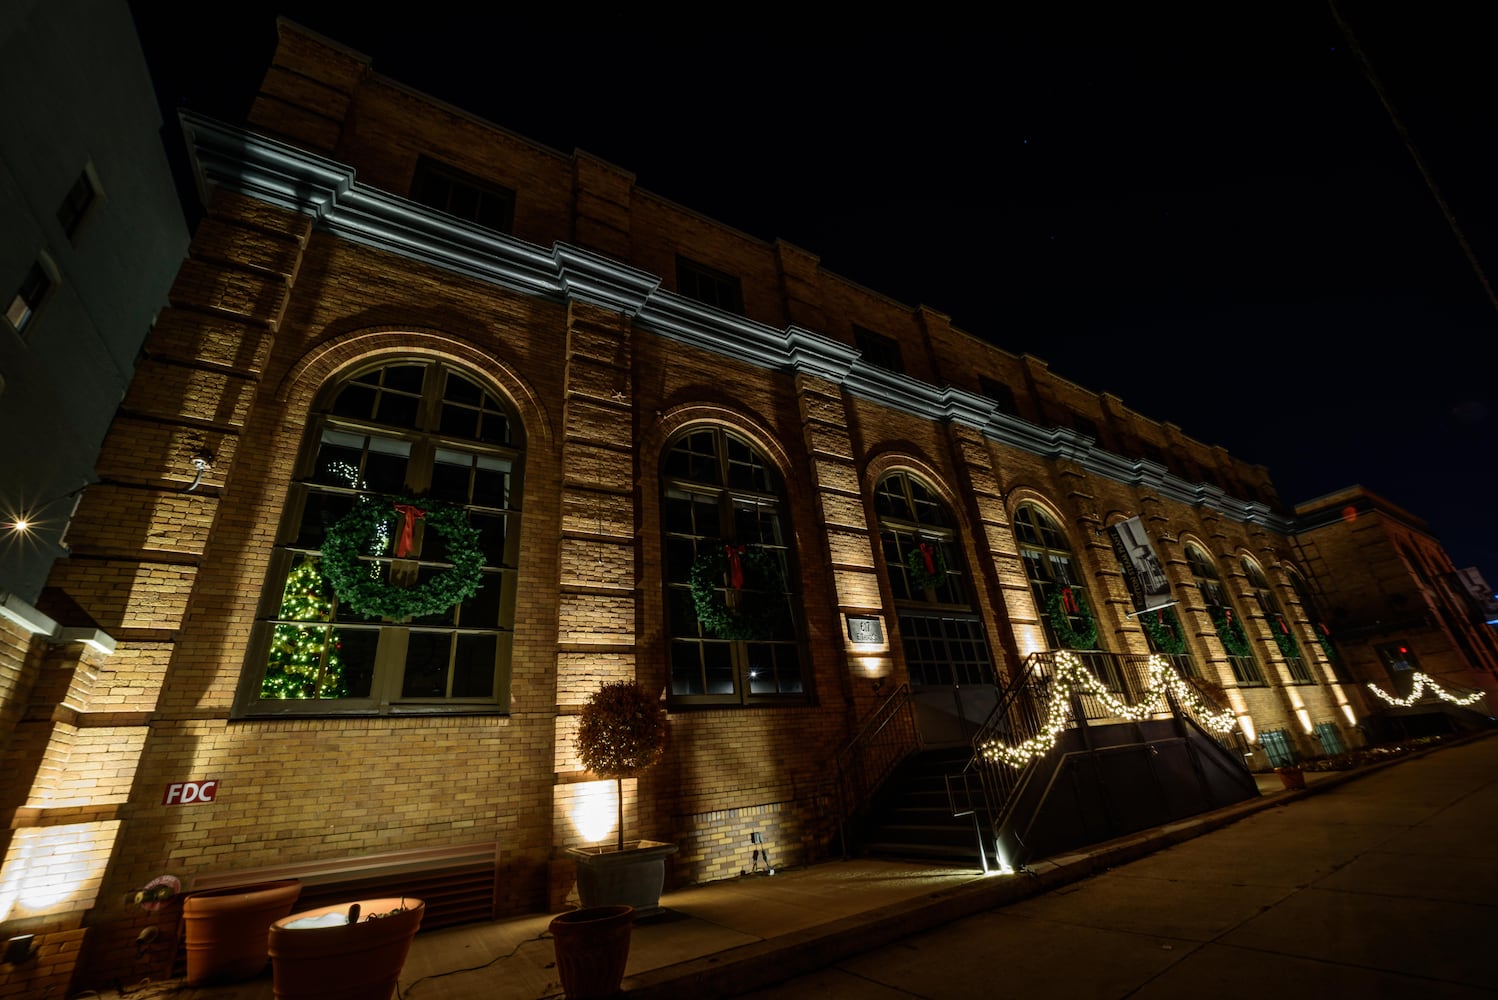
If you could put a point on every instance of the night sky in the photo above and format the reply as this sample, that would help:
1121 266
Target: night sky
1219 218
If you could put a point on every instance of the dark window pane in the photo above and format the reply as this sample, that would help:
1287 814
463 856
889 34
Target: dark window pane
460 422
426 665
397 410
355 401
356 656
473 666
718 667
686 668
450 477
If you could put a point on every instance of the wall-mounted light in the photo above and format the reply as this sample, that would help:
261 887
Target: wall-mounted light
201 462
19 949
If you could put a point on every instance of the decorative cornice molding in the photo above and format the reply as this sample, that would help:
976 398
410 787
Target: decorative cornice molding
258 167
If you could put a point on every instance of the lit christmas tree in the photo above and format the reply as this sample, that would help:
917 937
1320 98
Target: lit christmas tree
303 660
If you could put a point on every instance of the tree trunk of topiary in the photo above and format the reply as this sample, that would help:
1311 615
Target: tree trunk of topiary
619 784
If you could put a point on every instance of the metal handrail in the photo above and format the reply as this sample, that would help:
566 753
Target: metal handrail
886 737
1024 709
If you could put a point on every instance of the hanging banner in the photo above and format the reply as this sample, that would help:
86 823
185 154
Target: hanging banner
1142 569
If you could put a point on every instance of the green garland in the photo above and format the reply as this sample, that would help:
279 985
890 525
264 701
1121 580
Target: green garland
357 589
1061 624
1325 639
1230 632
1283 639
1164 630
760 600
915 563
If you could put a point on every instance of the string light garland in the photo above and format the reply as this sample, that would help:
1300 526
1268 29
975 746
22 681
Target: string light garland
1071 677
1422 683
365 528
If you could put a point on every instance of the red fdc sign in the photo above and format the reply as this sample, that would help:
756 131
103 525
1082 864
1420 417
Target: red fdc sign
182 793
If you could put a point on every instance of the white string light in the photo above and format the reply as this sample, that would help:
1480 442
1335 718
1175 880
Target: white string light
1071 676
1423 682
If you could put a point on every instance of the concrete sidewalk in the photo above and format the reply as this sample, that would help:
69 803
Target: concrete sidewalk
736 936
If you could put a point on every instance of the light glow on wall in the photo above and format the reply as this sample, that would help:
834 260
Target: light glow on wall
594 810
1352 718
1305 719
54 869
1246 723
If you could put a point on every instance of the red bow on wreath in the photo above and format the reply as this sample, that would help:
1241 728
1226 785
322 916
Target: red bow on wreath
735 566
1283 627
926 554
1068 601
410 514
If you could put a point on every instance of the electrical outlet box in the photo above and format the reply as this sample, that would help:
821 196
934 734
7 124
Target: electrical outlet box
755 838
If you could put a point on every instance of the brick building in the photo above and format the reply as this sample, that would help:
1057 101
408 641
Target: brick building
691 457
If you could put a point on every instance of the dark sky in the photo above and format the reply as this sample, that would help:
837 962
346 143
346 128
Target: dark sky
1216 217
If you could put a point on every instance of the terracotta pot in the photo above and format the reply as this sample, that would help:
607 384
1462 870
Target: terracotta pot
343 961
225 929
1291 777
592 948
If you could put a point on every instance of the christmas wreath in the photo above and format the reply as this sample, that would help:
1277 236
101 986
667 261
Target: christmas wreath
1282 637
753 573
1061 606
1230 632
926 565
355 534
1164 630
1324 638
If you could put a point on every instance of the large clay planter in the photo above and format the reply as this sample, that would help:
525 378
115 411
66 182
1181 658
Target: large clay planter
1291 777
359 961
607 876
592 948
225 929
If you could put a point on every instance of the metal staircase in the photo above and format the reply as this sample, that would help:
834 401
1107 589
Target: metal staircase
1081 748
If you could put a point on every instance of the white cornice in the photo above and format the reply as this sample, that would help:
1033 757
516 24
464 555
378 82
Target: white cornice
258 167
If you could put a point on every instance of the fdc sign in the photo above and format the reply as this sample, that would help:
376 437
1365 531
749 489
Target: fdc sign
182 793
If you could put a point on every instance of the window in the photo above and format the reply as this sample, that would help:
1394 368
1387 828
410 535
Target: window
1277 747
77 202
700 282
1397 658
879 350
728 574
940 633
999 393
1319 628
1279 625
416 429
1330 739
456 193
1066 611
28 297
1224 617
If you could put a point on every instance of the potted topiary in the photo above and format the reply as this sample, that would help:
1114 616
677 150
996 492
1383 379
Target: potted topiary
622 732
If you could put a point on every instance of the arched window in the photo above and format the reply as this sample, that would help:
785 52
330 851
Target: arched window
1319 627
1279 625
1065 609
1225 617
942 636
728 572
415 430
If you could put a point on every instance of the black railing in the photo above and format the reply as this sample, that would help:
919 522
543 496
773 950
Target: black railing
883 740
1023 725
